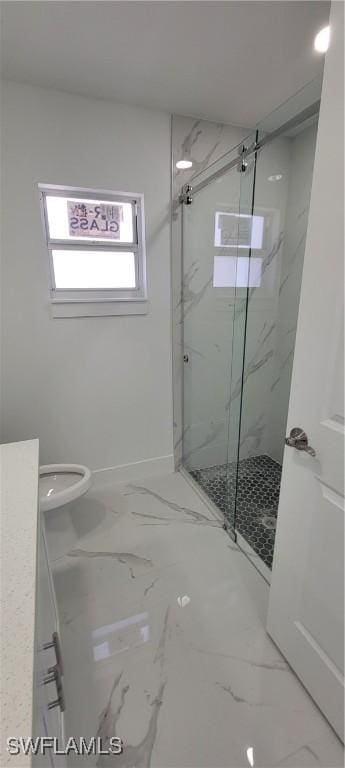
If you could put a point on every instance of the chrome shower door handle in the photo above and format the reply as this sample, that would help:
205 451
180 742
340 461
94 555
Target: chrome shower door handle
299 439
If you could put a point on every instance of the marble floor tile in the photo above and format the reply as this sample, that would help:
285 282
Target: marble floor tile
163 634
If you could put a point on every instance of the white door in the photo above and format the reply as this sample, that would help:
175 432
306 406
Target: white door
306 609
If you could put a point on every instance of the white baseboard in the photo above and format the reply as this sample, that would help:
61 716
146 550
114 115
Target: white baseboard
123 473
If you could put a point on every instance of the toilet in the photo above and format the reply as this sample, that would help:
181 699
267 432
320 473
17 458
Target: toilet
62 483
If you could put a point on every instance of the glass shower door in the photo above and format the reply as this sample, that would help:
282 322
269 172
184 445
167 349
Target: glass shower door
248 234
243 248
215 274
283 179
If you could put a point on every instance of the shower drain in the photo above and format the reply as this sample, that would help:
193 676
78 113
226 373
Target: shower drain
268 521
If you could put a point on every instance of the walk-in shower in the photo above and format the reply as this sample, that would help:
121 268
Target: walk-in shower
242 229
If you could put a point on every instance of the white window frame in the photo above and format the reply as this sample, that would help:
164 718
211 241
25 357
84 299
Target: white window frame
107 301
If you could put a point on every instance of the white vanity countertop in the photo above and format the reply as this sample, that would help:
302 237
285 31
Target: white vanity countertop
18 519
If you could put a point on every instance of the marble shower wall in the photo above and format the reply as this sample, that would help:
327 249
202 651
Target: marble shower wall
302 153
209 325
261 338
273 308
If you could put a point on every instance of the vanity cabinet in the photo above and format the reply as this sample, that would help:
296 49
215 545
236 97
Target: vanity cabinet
48 697
31 659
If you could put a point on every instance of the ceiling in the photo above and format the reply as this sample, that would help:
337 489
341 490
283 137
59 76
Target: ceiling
231 61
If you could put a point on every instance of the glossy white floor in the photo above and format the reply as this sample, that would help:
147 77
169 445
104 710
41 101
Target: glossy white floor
164 642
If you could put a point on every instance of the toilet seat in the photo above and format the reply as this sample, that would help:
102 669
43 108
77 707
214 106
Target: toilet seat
62 483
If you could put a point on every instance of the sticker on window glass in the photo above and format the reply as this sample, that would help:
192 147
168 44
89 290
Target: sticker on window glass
100 220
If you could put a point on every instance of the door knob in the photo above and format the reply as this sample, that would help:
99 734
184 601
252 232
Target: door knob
299 439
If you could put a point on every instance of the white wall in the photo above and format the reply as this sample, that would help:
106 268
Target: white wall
97 390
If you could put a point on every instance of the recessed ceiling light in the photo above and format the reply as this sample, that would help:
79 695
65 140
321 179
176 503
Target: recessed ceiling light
321 42
275 177
184 164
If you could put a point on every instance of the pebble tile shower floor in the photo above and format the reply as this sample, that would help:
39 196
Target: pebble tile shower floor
257 498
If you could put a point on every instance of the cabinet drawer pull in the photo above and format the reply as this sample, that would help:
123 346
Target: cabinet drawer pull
50 678
54 676
55 643
60 702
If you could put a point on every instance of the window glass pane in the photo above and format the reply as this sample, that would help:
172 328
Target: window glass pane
75 218
94 269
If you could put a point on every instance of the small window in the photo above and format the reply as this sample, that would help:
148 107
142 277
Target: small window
95 244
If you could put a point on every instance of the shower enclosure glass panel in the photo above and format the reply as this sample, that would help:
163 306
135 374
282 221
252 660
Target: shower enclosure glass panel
243 241
213 268
248 238
283 179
